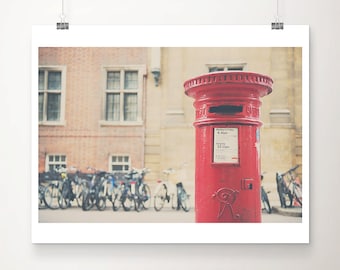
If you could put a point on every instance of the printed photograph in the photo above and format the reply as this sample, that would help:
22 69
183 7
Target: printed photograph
207 138
118 134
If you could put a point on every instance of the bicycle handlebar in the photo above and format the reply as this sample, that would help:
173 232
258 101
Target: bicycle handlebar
290 170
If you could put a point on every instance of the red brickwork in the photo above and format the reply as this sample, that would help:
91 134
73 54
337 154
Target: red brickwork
82 137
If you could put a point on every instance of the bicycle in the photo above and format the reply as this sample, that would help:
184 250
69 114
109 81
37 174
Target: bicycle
118 189
288 188
132 192
41 192
91 191
140 190
72 189
50 193
264 199
166 192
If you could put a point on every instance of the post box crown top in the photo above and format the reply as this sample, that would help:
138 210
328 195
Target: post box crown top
229 79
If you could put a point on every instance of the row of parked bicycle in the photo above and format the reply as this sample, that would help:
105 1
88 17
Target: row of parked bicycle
58 189
289 189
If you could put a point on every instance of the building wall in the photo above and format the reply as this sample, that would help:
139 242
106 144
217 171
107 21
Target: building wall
281 111
83 136
166 136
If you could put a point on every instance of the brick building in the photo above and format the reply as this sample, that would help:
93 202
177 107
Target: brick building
102 107
91 107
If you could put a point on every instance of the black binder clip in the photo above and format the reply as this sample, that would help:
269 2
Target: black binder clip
277 25
62 25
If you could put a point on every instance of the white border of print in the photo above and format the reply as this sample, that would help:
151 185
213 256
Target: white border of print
167 36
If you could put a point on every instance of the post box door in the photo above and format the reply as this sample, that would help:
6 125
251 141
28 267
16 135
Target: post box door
228 189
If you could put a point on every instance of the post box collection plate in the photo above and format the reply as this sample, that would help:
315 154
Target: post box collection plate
226 145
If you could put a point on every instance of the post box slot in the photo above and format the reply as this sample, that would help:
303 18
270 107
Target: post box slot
226 109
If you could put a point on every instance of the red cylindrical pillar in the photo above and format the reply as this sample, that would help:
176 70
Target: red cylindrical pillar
227 174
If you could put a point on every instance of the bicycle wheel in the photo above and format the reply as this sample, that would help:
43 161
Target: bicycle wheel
298 194
174 202
138 203
101 197
265 201
64 198
41 191
127 201
266 205
79 194
101 203
159 198
51 196
184 200
88 201
116 199
146 196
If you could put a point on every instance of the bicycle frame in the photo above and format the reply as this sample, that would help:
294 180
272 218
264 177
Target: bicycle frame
287 186
173 192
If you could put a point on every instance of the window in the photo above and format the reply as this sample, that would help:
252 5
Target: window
54 162
119 163
226 67
123 94
215 69
51 88
280 118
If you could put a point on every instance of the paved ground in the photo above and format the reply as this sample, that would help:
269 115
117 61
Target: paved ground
166 215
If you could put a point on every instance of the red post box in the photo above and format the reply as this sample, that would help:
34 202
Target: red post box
227 181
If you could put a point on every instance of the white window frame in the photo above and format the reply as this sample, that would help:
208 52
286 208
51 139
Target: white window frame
120 163
227 66
54 163
45 92
141 69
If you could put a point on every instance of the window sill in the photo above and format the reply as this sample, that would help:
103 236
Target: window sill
104 123
279 125
52 123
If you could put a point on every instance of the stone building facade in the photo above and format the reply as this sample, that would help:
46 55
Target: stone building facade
114 113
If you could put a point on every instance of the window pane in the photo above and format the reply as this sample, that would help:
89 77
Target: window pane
63 158
53 107
214 69
112 107
41 107
54 80
50 158
131 80
41 80
120 159
113 80
126 159
117 168
235 68
130 107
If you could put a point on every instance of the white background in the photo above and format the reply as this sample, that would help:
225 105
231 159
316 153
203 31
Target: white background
16 20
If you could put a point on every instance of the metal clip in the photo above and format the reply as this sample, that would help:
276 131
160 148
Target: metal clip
62 25
277 25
